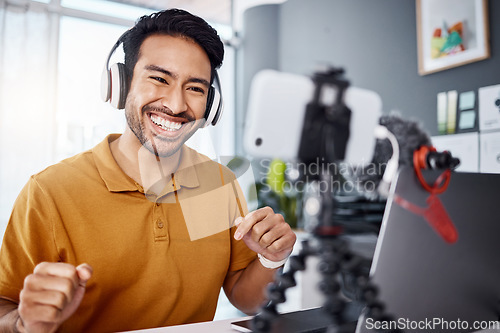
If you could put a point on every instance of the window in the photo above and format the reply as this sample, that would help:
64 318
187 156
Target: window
52 54
83 119
107 8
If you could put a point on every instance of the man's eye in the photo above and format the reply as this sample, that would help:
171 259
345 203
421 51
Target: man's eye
159 79
197 89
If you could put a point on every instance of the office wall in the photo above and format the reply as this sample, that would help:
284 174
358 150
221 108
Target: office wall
259 50
374 40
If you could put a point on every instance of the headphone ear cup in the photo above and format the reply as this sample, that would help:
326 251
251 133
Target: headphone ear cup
208 109
214 107
118 85
219 107
105 84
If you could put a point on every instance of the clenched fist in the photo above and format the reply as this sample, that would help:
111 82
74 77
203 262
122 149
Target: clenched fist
51 295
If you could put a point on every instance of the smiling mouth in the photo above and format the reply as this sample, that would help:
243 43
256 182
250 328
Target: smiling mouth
164 124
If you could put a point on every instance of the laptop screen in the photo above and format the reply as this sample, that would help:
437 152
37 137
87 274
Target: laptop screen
428 282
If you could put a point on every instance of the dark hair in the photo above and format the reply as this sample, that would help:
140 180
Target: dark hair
176 23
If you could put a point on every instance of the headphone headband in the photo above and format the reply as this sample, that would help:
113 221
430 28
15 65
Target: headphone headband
113 49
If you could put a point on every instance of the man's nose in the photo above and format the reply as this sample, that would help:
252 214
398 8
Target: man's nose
174 100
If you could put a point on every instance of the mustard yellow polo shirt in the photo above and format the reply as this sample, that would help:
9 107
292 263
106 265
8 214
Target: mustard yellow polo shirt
158 260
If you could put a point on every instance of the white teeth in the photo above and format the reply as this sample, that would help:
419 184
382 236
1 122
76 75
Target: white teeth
165 124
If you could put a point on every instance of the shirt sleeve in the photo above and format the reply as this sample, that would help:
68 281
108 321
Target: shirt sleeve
28 239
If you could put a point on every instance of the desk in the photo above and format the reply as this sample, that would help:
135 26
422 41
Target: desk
219 326
222 326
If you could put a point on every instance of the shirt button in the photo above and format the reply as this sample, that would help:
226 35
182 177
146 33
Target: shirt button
159 223
157 204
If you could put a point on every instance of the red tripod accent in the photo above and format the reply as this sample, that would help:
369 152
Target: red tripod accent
435 213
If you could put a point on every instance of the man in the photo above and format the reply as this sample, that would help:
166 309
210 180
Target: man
138 231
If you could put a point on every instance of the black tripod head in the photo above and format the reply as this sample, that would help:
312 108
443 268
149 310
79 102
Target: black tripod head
326 124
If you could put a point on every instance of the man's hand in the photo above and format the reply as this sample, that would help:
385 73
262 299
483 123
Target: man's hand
51 295
266 233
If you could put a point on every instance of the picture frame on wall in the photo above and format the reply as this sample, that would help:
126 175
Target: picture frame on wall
451 33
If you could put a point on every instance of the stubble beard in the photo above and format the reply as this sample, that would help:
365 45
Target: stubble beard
154 144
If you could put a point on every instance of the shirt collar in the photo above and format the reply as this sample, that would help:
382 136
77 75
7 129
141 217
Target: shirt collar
117 181
186 175
111 173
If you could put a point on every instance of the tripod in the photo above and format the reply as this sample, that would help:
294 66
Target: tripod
324 138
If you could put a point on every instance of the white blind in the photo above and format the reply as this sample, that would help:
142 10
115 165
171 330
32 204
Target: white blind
26 113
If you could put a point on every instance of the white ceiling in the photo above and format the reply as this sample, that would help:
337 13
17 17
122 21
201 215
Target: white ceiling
217 11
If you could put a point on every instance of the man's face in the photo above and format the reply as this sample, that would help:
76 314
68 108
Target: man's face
168 93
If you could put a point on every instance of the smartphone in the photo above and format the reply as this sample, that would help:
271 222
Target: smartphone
276 110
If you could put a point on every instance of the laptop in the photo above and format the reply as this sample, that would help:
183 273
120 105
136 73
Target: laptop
312 320
432 284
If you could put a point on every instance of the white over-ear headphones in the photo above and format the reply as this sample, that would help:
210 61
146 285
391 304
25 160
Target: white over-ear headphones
215 105
114 88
